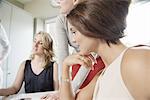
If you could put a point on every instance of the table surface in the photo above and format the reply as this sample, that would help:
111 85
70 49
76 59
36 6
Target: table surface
29 96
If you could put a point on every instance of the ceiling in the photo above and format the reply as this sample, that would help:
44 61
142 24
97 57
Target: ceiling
24 1
38 8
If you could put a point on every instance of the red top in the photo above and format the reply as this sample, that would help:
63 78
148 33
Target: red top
97 67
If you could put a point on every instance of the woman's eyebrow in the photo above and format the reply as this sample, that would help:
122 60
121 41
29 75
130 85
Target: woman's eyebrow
71 29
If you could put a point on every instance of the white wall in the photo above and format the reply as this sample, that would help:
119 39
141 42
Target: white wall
19 27
38 25
138 25
41 9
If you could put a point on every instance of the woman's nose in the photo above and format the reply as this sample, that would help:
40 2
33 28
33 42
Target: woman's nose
35 44
73 40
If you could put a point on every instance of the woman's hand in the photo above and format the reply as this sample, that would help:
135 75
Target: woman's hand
66 91
54 96
78 58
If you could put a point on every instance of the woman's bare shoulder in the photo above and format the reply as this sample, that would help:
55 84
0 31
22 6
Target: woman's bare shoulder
22 65
135 70
138 56
136 60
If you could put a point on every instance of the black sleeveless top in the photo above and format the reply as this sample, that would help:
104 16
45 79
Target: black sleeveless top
38 83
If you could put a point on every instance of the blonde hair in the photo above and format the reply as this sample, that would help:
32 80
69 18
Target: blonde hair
47 45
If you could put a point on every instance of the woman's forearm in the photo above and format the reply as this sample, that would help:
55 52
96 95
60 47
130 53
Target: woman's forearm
66 92
8 91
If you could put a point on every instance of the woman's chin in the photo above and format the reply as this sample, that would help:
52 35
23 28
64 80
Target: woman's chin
34 52
85 52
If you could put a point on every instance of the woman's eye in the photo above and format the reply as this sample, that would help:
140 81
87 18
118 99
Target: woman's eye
41 43
74 32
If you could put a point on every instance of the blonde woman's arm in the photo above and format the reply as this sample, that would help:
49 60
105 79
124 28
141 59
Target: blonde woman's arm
17 83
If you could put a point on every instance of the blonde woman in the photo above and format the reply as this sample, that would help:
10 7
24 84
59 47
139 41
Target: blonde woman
40 72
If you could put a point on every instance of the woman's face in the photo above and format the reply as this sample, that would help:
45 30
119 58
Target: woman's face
38 45
86 44
66 6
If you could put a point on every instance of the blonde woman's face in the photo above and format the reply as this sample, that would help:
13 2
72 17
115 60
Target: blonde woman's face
38 45
66 6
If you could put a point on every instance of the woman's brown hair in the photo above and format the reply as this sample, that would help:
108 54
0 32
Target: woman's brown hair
104 19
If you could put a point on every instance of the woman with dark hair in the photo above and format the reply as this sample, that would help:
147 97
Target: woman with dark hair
97 26
40 73
63 38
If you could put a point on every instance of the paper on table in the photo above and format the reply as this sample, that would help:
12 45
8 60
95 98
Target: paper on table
30 96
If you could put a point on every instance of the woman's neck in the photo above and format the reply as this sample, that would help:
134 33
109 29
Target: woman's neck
39 61
110 53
